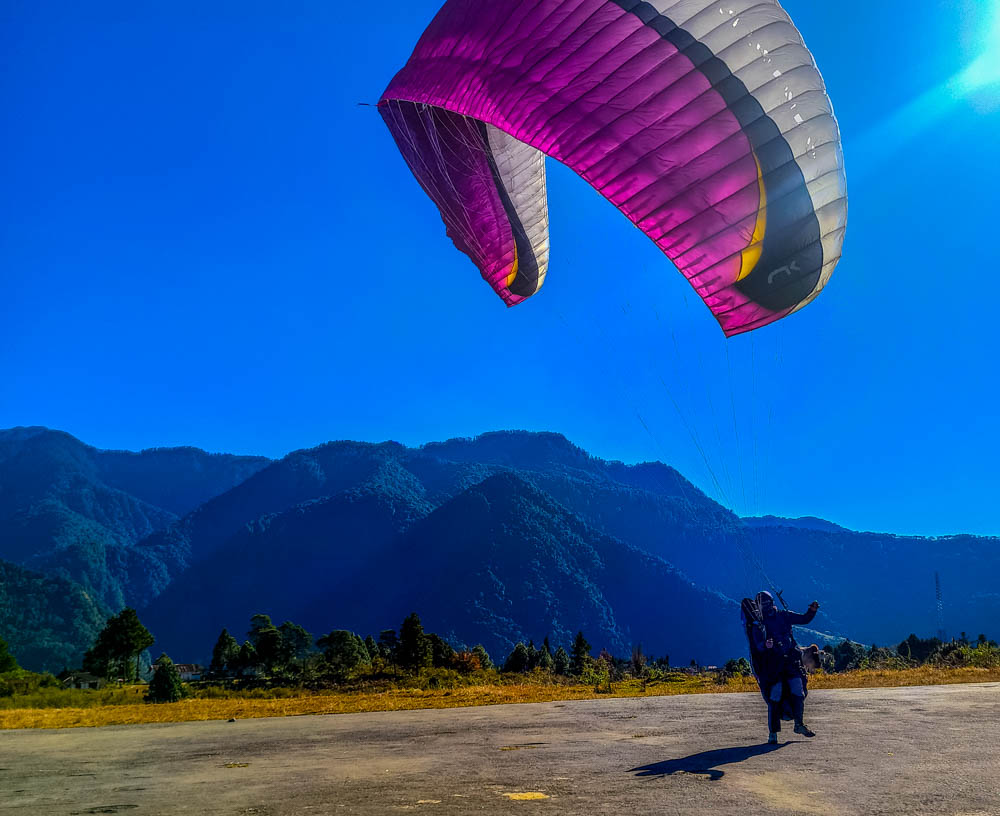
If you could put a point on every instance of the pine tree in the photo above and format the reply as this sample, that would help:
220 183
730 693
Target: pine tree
442 655
246 660
165 687
414 646
122 641
518 660
224 655
484 659
581 654
561 662
388 647
135 639
7 661
388 644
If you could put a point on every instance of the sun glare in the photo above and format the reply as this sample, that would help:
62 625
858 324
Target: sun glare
985 71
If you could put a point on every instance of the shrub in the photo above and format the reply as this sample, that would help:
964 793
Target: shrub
980 656
984 656
435 678
737 668
881 658
848 655
596 673
467 662
22 681
166 686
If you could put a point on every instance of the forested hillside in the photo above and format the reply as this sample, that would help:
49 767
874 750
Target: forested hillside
506 537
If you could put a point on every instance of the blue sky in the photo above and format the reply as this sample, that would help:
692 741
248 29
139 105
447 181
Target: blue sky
205 240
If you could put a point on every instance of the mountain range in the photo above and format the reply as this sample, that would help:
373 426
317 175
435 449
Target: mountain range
505 537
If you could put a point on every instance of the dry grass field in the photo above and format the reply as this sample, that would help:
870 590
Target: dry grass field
125 706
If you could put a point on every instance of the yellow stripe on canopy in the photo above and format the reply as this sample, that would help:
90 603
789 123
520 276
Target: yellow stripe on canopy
751 255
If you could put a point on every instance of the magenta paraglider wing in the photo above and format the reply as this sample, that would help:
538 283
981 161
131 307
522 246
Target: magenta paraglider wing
706 124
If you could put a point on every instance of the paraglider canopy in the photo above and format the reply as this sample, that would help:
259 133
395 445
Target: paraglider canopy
706 124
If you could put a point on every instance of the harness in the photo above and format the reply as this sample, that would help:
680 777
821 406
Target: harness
769 665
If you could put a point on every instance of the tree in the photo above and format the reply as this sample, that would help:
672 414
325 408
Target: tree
122 641
388 643
466 662
258 622
344 653
601 672
414 646
388 647
372 647
484 658
98 658
224 655
848 655
296 642
518 660
295 645
638 661
266 640
580 654
135 638
545 661
246 660
166 686
561 662
7 661
913 648
442 655
739 666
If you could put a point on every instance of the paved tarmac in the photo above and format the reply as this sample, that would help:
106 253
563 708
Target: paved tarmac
927 750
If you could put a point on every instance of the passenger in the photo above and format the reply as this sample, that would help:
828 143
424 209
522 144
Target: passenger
778 663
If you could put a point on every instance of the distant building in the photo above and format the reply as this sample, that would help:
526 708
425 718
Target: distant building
189 671
83 680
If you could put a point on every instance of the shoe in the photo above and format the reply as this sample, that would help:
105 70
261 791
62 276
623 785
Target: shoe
803 729
772 738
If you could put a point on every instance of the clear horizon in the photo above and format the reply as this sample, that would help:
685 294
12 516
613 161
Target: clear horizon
208 242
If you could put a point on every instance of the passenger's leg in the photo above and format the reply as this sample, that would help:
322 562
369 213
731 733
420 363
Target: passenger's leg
798 695
774 708
797 699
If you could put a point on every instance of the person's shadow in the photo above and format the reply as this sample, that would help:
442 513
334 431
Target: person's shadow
707 762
